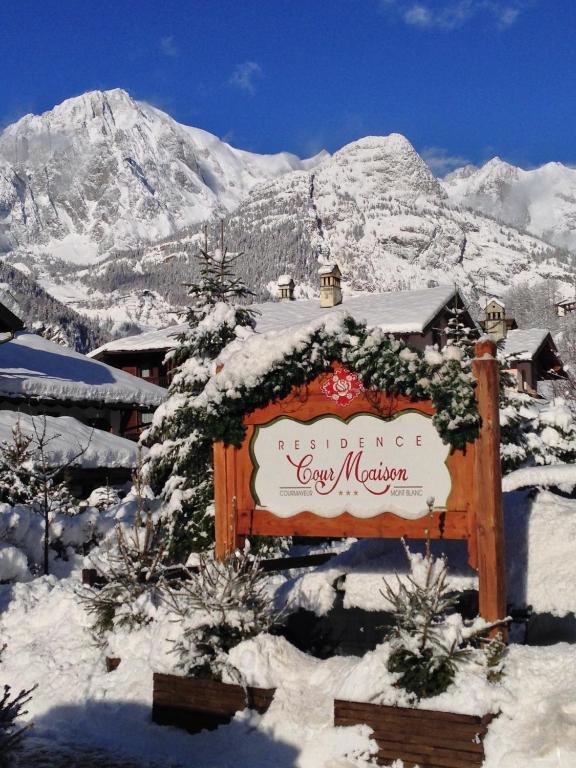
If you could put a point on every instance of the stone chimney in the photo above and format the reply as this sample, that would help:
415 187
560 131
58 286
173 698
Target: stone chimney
330 290
285 288
495 322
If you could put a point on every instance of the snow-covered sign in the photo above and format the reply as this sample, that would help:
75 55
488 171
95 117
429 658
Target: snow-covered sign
335 458
364 465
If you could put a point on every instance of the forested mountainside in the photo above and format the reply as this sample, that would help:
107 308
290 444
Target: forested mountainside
44 314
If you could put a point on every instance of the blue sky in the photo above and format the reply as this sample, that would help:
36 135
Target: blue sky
462 79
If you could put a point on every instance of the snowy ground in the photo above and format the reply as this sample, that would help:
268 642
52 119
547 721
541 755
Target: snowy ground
84 716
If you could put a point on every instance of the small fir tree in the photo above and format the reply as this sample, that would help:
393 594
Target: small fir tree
457 333
37 475
429 641
131 567
220 605
17 483
181 453
11 708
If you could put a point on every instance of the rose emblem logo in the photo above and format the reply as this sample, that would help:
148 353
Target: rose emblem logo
342 386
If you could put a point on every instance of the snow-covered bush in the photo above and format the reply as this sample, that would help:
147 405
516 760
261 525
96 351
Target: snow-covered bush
429 641
533 432
22 538
103 497
11 707
32 475
13 564
220 605
131 565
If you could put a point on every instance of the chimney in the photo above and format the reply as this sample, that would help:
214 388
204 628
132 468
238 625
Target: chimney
495 320
285 288
330 290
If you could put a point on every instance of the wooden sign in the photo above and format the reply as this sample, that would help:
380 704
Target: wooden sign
334 460
363 464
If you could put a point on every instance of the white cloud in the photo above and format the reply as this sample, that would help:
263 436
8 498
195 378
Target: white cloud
168 46
244 76
440 162
448 15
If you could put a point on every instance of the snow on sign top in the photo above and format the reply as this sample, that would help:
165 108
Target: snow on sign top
523 343
33 367
67 436
393 312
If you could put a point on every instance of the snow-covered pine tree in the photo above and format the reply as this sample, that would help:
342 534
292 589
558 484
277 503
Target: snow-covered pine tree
37 476
219 606
11 708
180 460
457 333
17 483
429 641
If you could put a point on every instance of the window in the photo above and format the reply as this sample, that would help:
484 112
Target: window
146 418
145 372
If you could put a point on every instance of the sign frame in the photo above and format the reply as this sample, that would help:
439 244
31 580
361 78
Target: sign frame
474 507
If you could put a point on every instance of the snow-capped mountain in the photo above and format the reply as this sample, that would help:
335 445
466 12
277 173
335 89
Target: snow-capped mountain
104 172
376 209
102 198
541 201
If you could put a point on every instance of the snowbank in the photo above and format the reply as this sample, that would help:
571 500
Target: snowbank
562 476
77 703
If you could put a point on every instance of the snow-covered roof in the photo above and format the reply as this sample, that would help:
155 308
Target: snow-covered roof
494 300
393 312
68 436
33 367
329 269
524 343
565 302
285 280
163 339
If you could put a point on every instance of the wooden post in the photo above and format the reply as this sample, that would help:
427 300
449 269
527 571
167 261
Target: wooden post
488 487
226 539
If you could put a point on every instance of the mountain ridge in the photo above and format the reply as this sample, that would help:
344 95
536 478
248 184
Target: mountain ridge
102 200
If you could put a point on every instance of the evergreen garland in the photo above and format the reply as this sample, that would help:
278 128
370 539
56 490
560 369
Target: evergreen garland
383 363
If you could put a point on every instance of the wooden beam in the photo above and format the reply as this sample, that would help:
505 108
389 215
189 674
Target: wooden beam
439 525
488 487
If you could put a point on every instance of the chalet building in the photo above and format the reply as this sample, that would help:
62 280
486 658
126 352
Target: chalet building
419 317
85 405
565 307
532 355
89 458
496 322
39 377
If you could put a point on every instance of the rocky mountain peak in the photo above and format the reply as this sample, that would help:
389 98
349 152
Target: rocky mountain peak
381 166
102 172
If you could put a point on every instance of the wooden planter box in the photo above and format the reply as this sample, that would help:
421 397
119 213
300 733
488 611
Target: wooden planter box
420 737
196 705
